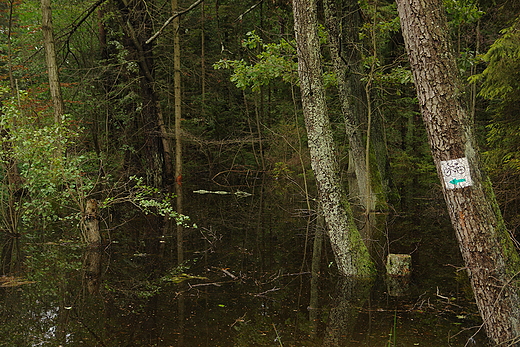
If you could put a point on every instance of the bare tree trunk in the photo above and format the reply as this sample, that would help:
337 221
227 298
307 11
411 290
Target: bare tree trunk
350 252
178 129
490 256
91 222
50 57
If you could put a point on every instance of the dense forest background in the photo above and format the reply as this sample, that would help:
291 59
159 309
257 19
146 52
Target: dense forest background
169 106
240 116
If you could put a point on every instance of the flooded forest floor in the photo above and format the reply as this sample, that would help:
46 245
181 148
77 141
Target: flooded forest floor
246 281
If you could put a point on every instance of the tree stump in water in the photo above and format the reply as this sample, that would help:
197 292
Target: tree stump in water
398 271
91 222
399 265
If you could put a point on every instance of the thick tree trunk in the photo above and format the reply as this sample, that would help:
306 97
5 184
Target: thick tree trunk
491 259
50 56
158 152
91 222
343 69
343 22
351 253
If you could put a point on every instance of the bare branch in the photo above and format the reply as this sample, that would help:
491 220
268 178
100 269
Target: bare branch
78 21
177 14
249 10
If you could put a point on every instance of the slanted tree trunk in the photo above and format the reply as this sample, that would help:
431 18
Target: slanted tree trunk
350 252
490 256
50 57
343 21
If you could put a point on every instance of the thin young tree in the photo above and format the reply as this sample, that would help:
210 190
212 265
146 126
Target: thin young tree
491 259
178 129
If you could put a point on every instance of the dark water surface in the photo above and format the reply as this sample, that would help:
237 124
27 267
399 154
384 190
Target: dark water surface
246 282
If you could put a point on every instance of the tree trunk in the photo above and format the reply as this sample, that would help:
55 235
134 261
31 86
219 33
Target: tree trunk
343 24
350 252
178 129
491 259
157 150
91 222
50 56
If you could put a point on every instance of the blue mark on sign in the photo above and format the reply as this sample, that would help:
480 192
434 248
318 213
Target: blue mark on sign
457 181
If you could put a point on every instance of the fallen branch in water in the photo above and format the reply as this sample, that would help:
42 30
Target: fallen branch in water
267 291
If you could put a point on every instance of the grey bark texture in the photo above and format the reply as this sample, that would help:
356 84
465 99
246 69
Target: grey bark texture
487 249
350 252
343 22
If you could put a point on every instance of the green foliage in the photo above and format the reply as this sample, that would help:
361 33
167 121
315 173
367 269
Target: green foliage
281 170
151 201
501 84
51 176
56 179
501 78
275 60
383 21
462 11
178 274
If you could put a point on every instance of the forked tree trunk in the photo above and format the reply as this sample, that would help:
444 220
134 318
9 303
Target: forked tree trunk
490 256
343 20
350 252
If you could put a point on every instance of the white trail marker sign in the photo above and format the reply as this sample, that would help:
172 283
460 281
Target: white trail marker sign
456 173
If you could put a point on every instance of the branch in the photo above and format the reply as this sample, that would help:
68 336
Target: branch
177 14
249 10
74 26
78 21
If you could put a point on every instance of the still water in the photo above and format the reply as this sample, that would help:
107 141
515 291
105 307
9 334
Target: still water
246 282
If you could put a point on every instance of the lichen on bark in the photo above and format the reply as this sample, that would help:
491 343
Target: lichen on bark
351 254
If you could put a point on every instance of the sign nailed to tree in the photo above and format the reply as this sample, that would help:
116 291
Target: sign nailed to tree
456 173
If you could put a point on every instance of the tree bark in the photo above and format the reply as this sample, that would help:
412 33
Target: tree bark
343 69
158 152
178 129
50 57
350 252
91 222
343 22
489 254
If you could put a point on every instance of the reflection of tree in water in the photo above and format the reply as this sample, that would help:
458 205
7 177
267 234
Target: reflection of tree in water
92 269
10 261
350 298
247 287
